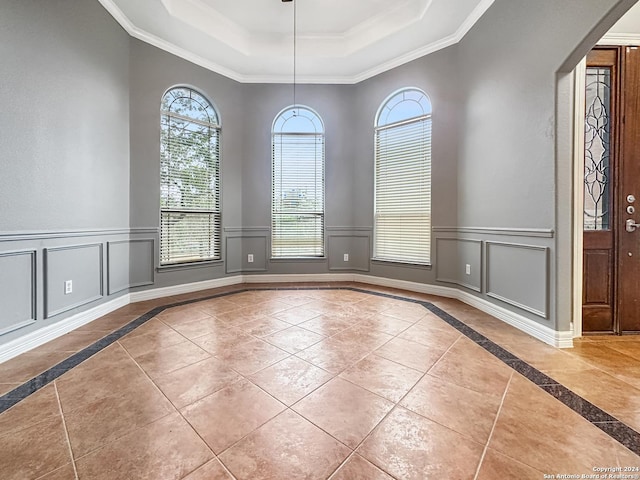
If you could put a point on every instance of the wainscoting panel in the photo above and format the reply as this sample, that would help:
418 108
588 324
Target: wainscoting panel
357 246
142 262
452 257
83 265
130 263
519 275
17 290
239 247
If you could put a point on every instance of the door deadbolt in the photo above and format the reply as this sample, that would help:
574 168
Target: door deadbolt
631 198
631 210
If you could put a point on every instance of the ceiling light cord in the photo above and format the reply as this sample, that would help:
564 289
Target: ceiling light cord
294 52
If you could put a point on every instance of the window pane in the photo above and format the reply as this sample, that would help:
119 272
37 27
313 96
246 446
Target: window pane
297 200
189 179
402 217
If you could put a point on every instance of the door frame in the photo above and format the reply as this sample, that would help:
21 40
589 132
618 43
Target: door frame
579 102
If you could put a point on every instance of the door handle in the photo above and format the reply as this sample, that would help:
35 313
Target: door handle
631 226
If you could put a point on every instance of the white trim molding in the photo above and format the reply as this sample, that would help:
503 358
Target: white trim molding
51 332
39 337
630 39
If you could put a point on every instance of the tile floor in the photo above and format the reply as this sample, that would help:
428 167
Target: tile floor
315 384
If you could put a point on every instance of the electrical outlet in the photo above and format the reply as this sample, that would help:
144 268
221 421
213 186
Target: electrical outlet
346 257
68 287
468 269
250 258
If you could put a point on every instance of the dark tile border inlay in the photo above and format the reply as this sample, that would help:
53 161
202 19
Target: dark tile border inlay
616 429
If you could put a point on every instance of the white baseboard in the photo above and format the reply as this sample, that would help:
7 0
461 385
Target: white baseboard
299 278
184 288
51 332
543 333
563 339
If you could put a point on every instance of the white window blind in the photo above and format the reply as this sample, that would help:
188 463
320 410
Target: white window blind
190 220
297 203
402 217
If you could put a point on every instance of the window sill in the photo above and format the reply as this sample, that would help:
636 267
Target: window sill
298 259
396 263
187 266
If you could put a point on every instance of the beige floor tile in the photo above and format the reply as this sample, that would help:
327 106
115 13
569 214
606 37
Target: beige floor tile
210 471
40 406
263 326
383 377
167 449
112 417
111 370
252 356
411 354
303 451
495 465
290 379
327 324
385 323
357 468
28 365
189 384
34 451
186 313
171 358
7 387
71 342
333 355
527 429
158 337
223 341
409 446
465 411
297 315
470 366
63 473
226 416
344 410
294 339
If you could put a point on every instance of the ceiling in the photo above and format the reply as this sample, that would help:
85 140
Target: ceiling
337 41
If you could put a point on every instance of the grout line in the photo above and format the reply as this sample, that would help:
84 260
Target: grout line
34 384
66 431
495 422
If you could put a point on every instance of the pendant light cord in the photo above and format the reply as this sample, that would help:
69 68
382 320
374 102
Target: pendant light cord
294 51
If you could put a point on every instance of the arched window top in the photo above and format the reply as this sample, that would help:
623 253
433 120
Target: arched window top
406 104
186 102
298 119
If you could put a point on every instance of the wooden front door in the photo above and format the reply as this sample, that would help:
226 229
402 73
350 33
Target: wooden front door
611 275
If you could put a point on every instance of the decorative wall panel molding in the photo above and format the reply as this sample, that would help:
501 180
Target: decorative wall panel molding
452 257
512 232
519 275
83 265
357 246
130 263
239 247
18 288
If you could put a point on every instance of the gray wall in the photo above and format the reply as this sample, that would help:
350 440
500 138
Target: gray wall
153 72
64 158
507 162
79 139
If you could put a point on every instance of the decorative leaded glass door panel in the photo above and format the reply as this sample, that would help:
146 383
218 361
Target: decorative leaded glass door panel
598 305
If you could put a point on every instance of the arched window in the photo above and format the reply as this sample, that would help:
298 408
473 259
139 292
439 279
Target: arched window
297 187
190 217
402 217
